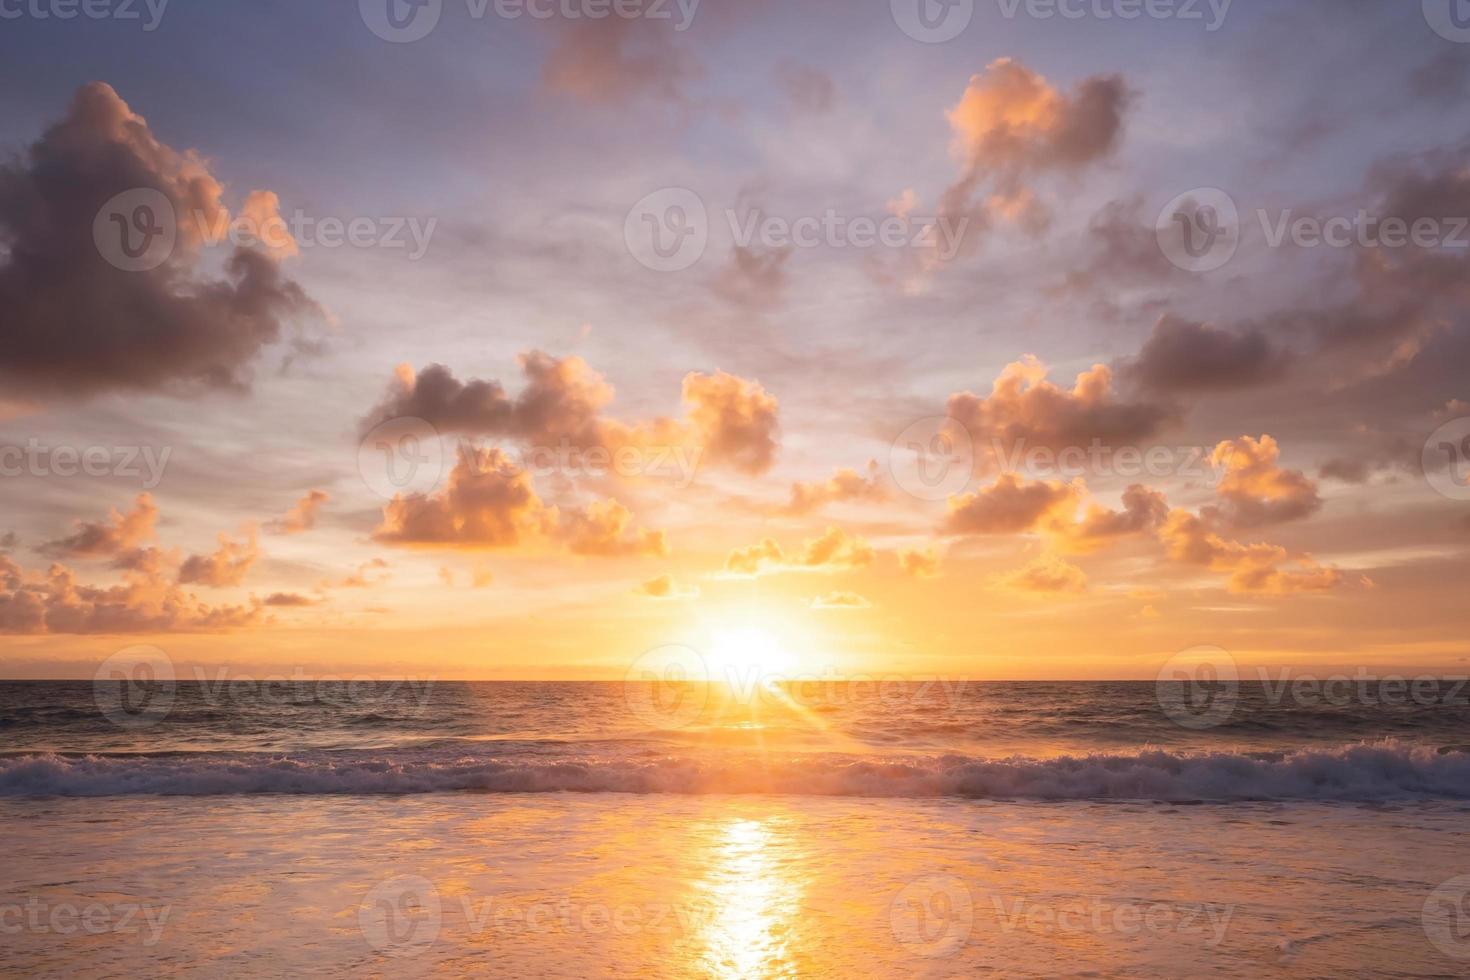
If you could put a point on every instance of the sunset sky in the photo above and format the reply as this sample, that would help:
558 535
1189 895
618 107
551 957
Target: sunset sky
1247 441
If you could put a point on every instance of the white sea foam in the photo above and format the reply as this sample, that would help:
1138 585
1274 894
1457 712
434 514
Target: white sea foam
1350 773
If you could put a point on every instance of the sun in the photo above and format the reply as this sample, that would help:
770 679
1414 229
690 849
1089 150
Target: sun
749 650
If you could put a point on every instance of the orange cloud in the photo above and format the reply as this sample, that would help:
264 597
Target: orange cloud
1047 574
489 502
840 600
301 517
1254 490
844 485
664 587
226 567
1012 505
1253 567
736 420
919 564
834 549
112 538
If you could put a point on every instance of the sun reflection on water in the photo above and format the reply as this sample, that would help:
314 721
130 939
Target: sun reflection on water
754 904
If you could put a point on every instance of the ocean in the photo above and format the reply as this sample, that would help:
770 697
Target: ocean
822 828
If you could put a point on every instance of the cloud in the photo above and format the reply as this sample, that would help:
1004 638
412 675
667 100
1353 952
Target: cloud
665 587
1254 490
1144 510
617 60
363 577
840 600
601 530
1011 505
145 602
75 324
919 564
119 534
844 485
1253 567
808 89
226 566
1183 355
1025 410
489 502
835 549
290 600
301 517
733 420
1011 125
1047 574
755 278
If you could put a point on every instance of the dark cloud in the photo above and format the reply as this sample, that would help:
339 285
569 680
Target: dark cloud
1182 355
75 324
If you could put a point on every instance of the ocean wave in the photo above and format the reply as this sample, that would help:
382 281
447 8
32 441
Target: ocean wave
1350 773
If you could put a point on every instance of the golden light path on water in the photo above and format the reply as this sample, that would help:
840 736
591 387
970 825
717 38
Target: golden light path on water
753 905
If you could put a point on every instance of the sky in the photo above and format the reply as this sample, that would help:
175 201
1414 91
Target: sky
998 338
